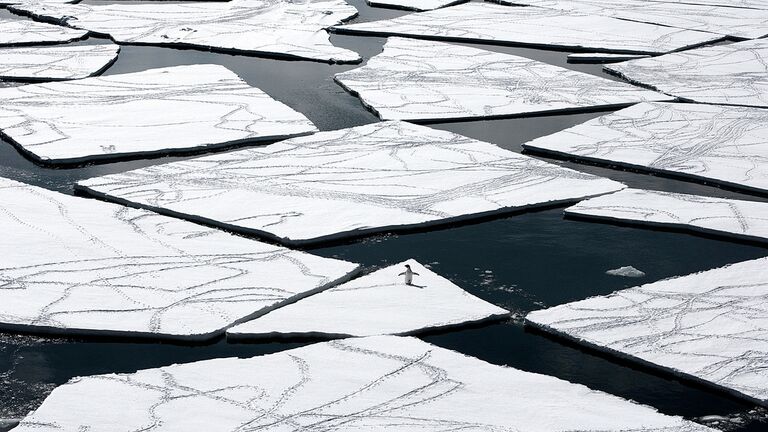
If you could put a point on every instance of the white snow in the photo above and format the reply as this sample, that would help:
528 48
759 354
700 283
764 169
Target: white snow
710 326
750 4
415 5
81 266
727 21
626 271
718 144
268 27
733 74
382 383
424 80
153 111
492 23
350 182
602 57
26 32
727 217
376 304
57 62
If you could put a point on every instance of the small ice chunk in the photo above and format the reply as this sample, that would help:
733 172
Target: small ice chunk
626 271
425 80
53 63
732 74
380 383
349 183
493 23
26 32
711 327
163 110
375 304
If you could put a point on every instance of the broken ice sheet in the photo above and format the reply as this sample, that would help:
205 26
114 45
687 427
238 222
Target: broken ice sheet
415 5
350 182
80 266
541 27
733 74
381 383
711 327
26 32
727 21
375 304
746 220
713 143
424 80
134 114
267 27
57 62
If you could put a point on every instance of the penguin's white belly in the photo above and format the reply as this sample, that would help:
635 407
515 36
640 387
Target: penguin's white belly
408 278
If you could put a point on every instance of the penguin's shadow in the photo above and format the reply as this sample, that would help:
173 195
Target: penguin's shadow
416 286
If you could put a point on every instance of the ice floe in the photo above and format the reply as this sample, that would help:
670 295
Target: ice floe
375 304
727 21
424 80
350 182
711 327
134 114
57 62
626 271
267 27
415 5
717 144
726 217
602 57
542 27
80 266
381 383
26 32
733 74
750 4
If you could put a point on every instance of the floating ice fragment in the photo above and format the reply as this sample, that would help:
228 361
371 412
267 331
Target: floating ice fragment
58 62
375 304
350 182
26 32
626 271
428 81
383 383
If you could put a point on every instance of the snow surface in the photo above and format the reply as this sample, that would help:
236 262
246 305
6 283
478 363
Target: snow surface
733 74
710 326
718 144
424 80
80 266
375 304
349 182
602 57
270 27
492 23
415 5
727 21
154 111
26 32
727 217
56 62
750 4
626 271
382 383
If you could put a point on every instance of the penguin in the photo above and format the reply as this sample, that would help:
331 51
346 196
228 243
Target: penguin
408 275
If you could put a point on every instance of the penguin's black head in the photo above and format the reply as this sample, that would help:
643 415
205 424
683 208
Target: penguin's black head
407 266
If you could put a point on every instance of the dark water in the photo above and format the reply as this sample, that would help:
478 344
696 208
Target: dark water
522 263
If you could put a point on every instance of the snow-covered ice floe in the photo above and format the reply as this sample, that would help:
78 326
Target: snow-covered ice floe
263 27
26 32
727 21
542 27
711 327
57 62
749 4
733 74
423 80
350 182
414 5
380 383
747 220
81 266
375 304
717 144
626 271
179 108
602 57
